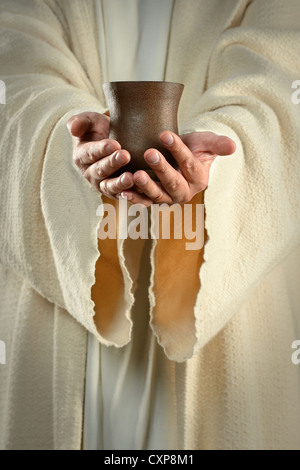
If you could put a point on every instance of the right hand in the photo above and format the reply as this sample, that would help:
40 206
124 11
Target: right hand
97 156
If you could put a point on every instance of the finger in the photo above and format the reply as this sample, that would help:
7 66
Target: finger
106 167
150 188
187 162
79 125
90 152
209 142
84 124
113 186
171 180
136 198
223 145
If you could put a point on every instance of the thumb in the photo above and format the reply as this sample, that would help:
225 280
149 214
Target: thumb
79 125
223 145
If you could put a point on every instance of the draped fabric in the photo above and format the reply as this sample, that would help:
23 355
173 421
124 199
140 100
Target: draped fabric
235 385
129 393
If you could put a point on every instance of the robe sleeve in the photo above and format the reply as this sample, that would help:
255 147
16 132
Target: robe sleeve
252 200
48 211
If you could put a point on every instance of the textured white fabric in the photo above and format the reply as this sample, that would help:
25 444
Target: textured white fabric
130 395
133 37
238 389
127 407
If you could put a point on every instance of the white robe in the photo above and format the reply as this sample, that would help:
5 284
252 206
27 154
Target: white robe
236 386
129 395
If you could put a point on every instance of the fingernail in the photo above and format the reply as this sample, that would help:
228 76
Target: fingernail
70 122
153 158
120 158
142 180
127 196
124 180
109 148
168 139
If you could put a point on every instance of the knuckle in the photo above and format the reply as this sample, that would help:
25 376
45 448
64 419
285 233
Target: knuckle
77 158
94 151
89 153
103 188
101 148
100 171
78 161
173 185
158 197
112 165
117 187
188 165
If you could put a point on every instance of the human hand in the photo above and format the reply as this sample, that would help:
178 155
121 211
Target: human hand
97 156
194 153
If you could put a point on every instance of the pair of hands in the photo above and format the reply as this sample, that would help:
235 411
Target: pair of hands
98 157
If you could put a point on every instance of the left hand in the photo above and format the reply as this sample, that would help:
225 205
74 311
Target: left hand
194 153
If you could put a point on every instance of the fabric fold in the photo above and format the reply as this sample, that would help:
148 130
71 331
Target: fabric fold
176 259
240 388
112 290
49 232
252 202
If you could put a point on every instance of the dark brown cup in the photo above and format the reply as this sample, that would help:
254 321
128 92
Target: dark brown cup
139 112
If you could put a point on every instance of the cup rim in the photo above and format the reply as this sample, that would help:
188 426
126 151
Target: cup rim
143 82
